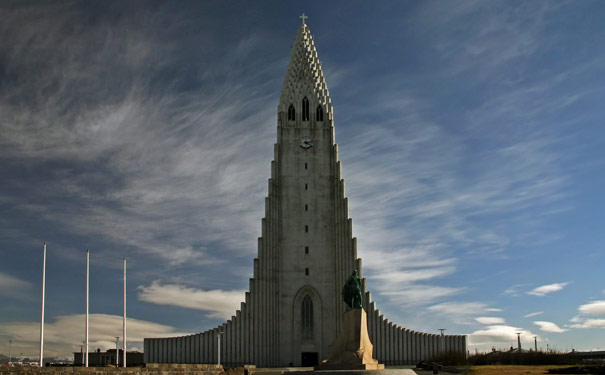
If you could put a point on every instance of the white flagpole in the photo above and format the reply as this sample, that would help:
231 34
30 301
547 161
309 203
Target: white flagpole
42 315
86 326
124 321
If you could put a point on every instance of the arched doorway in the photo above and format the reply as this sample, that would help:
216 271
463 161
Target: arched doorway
306 327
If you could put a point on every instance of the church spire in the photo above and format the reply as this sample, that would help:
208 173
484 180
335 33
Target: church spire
304 77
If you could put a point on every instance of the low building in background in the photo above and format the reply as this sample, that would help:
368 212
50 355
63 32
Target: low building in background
99 358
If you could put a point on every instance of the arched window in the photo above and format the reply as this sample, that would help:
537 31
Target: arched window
307 318
319 114
305 109
291 113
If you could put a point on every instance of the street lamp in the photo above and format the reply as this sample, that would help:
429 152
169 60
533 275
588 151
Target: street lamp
82 353
442 340
117 350
10 348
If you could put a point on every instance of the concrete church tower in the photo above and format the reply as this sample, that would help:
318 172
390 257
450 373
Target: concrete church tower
294 308
307 239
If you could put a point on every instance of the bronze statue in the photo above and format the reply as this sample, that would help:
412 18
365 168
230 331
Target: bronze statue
351 292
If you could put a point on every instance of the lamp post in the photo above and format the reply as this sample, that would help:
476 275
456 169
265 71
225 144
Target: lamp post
117 350
442 349
10 349
536 343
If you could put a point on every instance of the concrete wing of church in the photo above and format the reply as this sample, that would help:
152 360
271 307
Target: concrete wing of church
294 309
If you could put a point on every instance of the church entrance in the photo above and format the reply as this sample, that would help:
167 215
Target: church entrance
309 359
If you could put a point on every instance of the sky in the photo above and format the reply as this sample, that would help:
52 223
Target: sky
470 132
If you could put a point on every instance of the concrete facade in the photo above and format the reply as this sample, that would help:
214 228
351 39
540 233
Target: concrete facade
306 251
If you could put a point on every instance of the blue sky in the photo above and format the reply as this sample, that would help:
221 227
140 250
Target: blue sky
471 135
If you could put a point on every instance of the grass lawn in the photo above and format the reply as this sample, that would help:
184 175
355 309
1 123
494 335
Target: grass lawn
511 370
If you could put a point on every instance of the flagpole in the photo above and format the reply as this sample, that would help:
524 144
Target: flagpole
42 314
124 321
86 325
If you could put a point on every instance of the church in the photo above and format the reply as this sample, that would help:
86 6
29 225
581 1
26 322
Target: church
293 309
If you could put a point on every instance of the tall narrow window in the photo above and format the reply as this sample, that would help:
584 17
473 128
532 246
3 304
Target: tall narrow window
307 318
306 249
306 186
291 113
305 109
306 207
305 165
319 114
306 228
307 271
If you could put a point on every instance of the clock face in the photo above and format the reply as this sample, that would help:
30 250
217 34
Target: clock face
305 142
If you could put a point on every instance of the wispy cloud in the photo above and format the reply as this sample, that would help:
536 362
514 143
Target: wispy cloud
217 303
439 202
164 171
500 33
533 314
418 294
412 175
413 168
543 290
63 334
11 286
514 290
488 320
404 276
586 311
589 323
460 308
549 327
593 308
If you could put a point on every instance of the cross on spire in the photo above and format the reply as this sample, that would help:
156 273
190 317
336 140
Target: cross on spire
303 17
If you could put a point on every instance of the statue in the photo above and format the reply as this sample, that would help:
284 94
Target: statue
352 348
351 292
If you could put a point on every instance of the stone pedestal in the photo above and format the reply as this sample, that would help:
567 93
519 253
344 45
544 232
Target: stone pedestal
352 349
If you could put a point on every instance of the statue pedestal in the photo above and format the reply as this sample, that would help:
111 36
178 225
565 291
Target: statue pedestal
352 349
